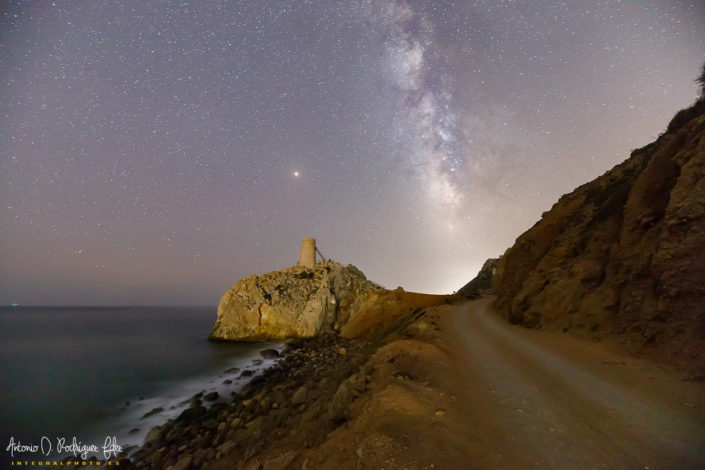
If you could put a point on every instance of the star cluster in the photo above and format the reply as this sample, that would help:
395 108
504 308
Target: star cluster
154 152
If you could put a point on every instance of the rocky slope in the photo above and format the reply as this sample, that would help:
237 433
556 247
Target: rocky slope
482 283
377 395
297 302
624 254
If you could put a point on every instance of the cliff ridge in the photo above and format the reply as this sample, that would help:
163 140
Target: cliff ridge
623 255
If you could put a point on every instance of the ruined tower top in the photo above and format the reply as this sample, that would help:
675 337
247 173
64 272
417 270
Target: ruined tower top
308 252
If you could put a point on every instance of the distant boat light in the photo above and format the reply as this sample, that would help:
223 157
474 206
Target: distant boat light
14 304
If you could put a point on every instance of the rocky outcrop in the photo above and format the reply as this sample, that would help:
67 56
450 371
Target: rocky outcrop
624 254
482 282
297 302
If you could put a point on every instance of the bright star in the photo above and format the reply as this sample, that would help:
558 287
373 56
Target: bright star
296 173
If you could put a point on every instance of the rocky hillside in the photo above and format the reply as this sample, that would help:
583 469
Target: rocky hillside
624 254
297 302
482 282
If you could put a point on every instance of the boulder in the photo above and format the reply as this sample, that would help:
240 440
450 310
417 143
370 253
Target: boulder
154 411
152 435
269 353
184 463
190 414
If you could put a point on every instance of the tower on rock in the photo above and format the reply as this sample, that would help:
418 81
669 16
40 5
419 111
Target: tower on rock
308 252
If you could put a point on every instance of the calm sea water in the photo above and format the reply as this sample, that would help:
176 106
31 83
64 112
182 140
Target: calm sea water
68 372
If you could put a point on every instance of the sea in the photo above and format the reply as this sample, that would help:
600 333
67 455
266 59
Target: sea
109 374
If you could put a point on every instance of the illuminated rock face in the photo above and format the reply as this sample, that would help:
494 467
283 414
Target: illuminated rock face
297 302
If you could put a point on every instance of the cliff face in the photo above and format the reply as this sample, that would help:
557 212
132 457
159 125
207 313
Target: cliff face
297 302
482 282
623 254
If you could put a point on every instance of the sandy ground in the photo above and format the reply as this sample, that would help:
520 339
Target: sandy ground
536 399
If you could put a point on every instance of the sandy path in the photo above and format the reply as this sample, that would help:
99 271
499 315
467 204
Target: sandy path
547 400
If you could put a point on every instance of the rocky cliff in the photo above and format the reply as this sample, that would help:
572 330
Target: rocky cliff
297 302
624 254
482 282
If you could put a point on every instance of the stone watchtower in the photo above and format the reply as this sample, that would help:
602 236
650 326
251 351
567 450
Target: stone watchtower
308 252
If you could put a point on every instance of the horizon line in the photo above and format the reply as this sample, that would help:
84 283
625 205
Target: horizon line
99 306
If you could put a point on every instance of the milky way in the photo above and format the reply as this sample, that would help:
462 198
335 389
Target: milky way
427 121
155 152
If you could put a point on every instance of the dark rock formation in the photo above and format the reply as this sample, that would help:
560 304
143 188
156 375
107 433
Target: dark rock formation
482 282
624 254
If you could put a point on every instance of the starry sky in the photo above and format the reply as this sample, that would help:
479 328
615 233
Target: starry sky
154 152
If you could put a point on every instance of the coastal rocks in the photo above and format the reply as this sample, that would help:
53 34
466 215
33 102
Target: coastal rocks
194 411
183 463
152 436
324 393
153 412
211 396
622 255
269 353
297 302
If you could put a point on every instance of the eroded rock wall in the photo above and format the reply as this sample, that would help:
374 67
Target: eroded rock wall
623 254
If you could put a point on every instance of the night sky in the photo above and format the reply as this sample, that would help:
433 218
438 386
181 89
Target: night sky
154 152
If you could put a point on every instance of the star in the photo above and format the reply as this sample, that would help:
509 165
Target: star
411 116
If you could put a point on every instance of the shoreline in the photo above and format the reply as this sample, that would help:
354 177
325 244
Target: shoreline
388 396
296 358
318 394
139 416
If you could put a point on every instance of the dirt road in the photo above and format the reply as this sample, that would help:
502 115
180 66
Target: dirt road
548 400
